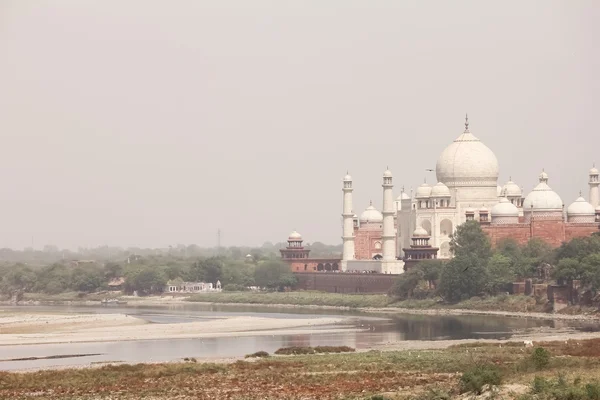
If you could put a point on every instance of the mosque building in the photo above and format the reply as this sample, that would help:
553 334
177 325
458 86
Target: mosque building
421 224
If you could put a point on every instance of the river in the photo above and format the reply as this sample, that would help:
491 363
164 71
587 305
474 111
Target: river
372 330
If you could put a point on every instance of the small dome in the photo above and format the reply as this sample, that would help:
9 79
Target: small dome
355 216
423 191
511 189
440 190
295 236
580 207
470 210
387 173
420 231
347 178
371 214
505 208
594 170
542 197
403 196
483 210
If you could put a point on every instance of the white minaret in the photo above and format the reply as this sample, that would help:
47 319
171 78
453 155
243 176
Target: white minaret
347 215
388 237
594 191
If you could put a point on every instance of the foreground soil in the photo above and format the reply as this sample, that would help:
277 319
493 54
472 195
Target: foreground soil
407 374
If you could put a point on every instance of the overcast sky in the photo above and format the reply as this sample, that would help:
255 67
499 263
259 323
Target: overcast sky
150 123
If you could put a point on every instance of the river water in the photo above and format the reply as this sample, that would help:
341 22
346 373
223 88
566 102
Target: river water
372 330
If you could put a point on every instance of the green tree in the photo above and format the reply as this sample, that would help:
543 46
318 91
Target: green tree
500 273
207 270
17 278
145 280
579 248
432 270
463 277
470 240
113 270
53 279
87 279
237 273
406 283
274 274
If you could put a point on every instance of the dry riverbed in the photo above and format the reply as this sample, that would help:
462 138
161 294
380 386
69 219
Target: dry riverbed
39 328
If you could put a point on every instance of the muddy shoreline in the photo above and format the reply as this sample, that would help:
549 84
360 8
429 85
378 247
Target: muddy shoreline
156 300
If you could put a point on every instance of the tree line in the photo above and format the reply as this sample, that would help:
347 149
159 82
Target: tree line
478 270
144 276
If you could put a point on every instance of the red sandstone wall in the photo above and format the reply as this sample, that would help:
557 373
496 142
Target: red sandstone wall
497 233
364 243
552 232
579 230
311 264
343 282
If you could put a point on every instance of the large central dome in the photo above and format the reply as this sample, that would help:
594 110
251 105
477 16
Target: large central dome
467 162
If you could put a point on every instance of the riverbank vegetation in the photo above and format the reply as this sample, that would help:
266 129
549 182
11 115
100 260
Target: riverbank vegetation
561 370
479 272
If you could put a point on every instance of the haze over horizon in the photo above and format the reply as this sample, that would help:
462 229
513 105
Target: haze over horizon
149 123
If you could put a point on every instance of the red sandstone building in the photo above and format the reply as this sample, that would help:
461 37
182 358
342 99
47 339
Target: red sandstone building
298 257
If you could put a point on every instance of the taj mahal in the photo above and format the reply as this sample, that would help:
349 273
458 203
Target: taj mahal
418 225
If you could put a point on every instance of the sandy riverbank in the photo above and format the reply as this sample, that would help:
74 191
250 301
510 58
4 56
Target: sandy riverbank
37 328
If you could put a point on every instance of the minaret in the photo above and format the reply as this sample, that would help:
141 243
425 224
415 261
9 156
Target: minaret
594 191
347 215
388 237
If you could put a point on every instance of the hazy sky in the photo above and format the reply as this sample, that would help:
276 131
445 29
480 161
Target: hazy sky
149 123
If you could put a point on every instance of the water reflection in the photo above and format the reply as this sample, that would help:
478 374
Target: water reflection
372 330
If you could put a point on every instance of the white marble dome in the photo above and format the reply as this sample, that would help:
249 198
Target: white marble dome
594 170
403 196
580 207
440 190
467 162
542 197
420 231
511 189
347 178
505 208
371 214
295 236
423 191
387 173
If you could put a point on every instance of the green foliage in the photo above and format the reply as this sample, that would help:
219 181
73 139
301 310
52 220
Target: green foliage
234 287
406 283
470 240
207 270
560 389
274 274
432 270
463 277
145 280
579 248
87 278
540 358
477 377
258 354
500 273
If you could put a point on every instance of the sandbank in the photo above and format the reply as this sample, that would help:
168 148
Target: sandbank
21 329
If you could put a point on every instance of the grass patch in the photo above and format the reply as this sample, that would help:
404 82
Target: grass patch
300 298
475 379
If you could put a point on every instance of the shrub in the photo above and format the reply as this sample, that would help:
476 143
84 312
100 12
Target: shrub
314 350
540 358
476 378
234 287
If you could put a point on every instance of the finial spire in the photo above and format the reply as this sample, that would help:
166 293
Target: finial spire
466 122
580 193
425 180
402 189
510 178
370 202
